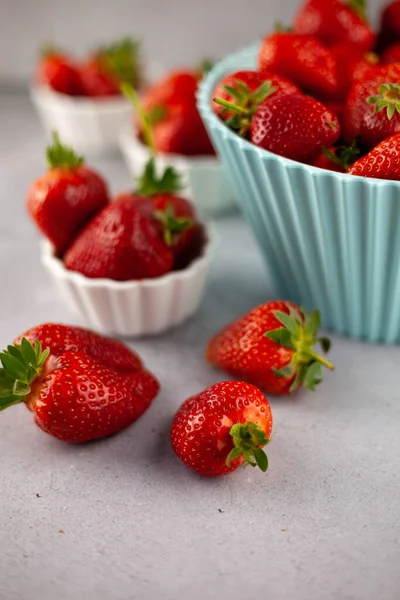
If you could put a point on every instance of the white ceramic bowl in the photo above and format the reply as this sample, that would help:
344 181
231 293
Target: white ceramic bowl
204 178
132 308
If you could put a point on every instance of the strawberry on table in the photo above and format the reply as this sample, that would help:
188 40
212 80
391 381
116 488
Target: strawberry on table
302 59
272 347
223 427
79 385
383 162
58 71
103 73
334 21
66 197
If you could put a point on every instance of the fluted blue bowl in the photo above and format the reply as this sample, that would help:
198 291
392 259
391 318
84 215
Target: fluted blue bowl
330 240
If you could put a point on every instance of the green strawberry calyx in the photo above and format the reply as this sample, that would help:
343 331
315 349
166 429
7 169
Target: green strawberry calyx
388 98
359 7
299 332
344 156
21 365
244 104
171 224
248 440
121 59
62 157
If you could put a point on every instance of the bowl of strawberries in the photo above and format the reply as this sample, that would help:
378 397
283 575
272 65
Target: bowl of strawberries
83 100
180 140
307 121
133 266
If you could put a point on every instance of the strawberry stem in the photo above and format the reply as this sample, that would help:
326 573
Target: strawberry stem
248 440
145 120
388 97
234 107
121 59
62 157
21 364
171 224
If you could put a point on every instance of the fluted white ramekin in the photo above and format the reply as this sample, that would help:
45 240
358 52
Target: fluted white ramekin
204 179
132 308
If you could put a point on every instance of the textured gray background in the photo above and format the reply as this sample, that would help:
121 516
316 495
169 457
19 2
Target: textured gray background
174 32
323 524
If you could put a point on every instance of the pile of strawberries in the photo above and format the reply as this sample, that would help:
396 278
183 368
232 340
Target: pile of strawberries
144 233
326 92
99 75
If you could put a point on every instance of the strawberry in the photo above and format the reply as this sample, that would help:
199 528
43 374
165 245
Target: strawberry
223 427
248 89
390 26
382 162
58 71
272 348
391 54
333 21
352 64
66 197
302 59
366 100
338 158
79 385
295 126
102 74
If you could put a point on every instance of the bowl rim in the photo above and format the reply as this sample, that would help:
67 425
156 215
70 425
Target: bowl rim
233 62
56 265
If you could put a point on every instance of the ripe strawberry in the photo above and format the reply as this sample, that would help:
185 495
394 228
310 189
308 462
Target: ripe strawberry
360 118
333 21
66 197
248 89
302 59
391 54
80 385
104 72
338 158
57 71
271 347
223 427
296 126
383 162
352 64
390 26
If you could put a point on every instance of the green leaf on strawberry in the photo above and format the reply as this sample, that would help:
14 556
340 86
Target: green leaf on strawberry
62 157
388 98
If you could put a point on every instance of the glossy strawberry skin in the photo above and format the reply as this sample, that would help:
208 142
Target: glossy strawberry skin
304 60
242 350
332 21
391 55
383 162
120 244
359 118
63 201
96 82
200 432
60 74
91 387
296 126
176 87
253 80
352 64
390 26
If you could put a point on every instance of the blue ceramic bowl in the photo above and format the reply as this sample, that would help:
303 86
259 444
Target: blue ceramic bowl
330 240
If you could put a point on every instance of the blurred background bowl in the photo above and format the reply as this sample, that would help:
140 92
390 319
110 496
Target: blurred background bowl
330 240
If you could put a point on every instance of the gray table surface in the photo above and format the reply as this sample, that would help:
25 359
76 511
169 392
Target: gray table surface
323 524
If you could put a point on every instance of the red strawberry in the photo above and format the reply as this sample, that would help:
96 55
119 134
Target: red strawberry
57 70
80 385
338 158
391 54
390 26
302 59
360 117
383 162
221 428
62 201
353 64
296 126
248 89
177 87
333 21
104 72
271 347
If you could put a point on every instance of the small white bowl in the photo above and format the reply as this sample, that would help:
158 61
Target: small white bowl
132 308
204 178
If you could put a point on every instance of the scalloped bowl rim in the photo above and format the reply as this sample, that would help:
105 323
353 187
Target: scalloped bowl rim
57 266
228 65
